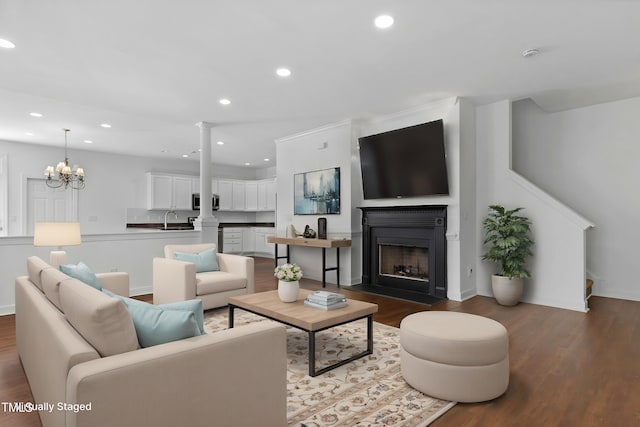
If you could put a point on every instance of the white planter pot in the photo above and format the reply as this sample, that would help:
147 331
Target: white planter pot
288 291
507 291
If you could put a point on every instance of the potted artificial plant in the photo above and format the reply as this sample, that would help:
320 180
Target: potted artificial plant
507 233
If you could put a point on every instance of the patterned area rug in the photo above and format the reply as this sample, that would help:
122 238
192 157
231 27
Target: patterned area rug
367 392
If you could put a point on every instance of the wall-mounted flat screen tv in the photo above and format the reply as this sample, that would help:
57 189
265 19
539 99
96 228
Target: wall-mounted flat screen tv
407 162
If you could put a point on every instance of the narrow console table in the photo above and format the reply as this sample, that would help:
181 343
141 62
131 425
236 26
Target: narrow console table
312 243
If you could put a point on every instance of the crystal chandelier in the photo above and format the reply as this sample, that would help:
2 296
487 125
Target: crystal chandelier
63 174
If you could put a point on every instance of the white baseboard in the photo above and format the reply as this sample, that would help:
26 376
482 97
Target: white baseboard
626 295
468 294
141 290
7 309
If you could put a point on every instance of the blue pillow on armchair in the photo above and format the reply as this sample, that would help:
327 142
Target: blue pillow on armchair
204 261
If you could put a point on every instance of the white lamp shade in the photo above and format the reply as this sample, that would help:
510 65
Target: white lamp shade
57 234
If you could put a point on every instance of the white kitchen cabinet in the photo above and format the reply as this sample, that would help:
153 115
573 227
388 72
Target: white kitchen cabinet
168 191
251 196
159 192
225 190
261 245
232 195
182 189
266 195
271 195
239 202
248 240
232 240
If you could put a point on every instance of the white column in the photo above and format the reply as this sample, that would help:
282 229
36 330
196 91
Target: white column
205 168
206 223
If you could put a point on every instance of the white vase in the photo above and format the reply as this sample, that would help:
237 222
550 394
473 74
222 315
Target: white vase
288 291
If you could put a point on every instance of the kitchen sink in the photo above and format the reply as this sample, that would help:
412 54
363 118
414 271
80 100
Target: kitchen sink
176 227
160 226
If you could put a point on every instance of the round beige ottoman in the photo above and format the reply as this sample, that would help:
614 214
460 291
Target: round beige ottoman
454 356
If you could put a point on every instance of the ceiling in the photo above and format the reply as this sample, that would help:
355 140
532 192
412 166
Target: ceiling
153 68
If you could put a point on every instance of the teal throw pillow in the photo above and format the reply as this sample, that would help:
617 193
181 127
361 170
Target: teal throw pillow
159 324
193 305
155 325
204 261
82 272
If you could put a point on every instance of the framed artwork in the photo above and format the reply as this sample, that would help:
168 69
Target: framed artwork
317 192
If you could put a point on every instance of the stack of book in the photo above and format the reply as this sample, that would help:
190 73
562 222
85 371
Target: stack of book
325 300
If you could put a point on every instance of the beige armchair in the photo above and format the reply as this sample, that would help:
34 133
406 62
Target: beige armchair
175 280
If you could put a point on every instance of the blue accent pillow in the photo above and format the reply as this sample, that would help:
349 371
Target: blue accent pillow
82 272
193 305
204 261
155 325
158 324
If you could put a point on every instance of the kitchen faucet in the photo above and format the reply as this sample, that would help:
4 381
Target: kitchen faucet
165 217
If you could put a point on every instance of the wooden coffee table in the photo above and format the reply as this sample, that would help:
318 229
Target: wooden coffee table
308 319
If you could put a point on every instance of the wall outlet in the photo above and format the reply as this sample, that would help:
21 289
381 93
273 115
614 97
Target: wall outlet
469 271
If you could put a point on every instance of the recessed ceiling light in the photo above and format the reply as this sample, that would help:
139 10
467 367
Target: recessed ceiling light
225 101
527 53
383 21
266 160
185 155
35 114
29 133
220 143
88 141
105 125
247 164
6 44
283 72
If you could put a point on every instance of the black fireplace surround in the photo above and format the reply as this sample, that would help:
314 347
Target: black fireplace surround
410 227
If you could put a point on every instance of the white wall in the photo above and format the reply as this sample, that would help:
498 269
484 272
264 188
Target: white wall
303 153
588 157
558 264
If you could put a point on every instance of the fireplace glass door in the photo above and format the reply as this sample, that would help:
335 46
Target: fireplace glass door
404 262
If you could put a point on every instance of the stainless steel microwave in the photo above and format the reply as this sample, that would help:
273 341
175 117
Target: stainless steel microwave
195 202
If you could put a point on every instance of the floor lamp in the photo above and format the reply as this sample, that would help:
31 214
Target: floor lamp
57 234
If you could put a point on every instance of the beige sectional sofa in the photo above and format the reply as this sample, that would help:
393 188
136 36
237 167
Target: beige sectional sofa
213 379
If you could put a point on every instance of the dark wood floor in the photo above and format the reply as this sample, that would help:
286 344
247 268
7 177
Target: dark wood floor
567 368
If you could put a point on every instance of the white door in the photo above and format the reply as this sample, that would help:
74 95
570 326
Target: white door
4 196
46 204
